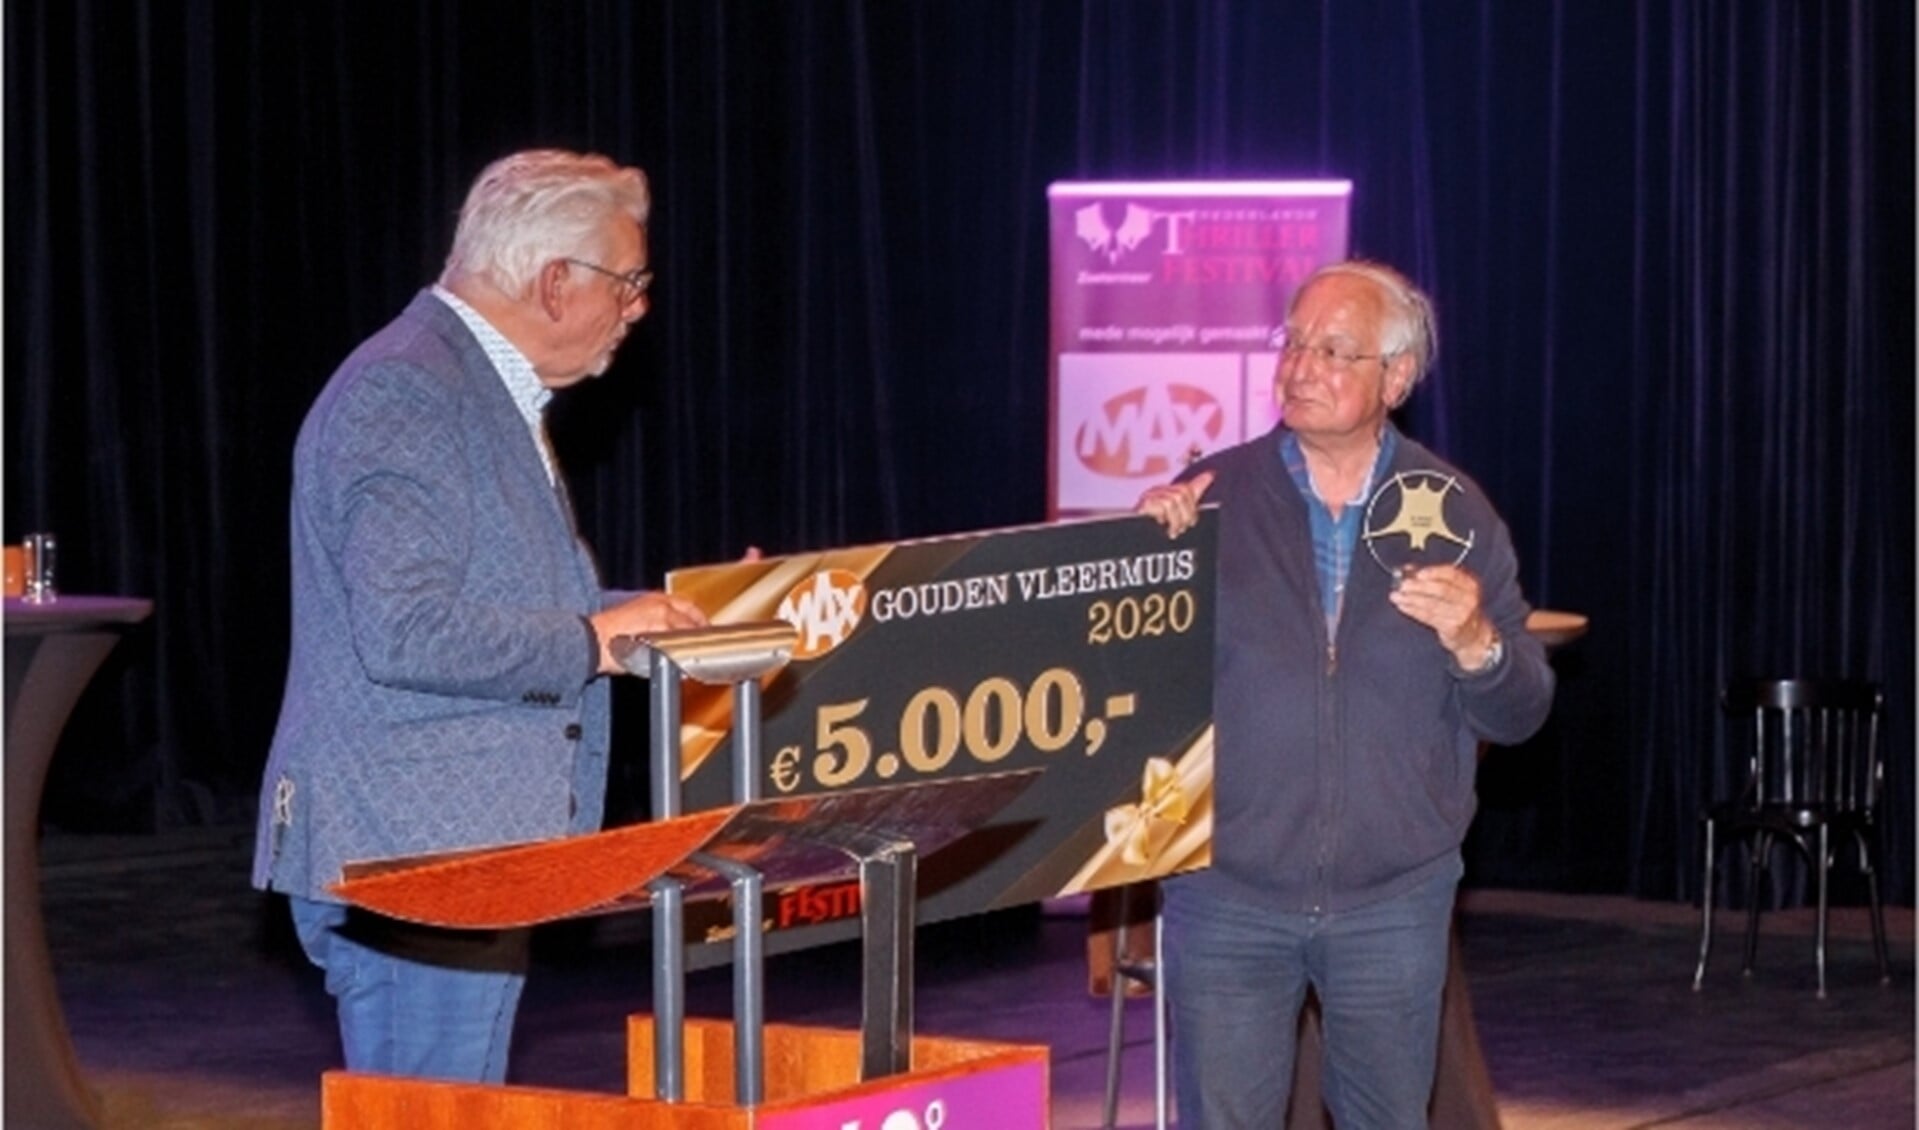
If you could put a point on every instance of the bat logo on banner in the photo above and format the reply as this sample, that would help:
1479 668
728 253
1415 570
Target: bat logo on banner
1089 224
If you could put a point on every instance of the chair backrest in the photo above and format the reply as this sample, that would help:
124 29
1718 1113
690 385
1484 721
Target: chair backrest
1814 743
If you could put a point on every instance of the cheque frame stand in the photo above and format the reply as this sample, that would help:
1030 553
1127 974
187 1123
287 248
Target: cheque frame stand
817 1077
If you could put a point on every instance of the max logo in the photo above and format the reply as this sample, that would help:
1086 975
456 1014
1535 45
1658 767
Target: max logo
1152 430
1089 224
825 608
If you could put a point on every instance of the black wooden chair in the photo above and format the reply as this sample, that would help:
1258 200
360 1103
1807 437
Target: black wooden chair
1812 773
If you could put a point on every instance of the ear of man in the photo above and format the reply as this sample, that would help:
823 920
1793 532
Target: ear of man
1399 380
550 286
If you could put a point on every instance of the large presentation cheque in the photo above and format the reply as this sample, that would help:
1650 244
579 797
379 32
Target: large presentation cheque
1081 648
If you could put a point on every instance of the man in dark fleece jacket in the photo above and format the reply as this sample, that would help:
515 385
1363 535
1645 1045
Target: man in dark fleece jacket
1350 704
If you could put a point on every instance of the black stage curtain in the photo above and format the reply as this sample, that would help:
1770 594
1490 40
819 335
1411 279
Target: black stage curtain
1671 244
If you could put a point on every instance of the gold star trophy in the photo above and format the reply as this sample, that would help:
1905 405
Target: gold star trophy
1406 528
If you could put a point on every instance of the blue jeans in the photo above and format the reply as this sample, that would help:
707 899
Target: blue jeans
414 1000
1237 977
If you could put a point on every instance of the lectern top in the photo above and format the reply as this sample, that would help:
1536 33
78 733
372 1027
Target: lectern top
792 841
720 655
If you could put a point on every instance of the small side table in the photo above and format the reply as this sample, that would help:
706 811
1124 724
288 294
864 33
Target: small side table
53 650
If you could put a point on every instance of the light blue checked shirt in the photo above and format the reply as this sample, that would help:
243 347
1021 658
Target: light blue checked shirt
1334 538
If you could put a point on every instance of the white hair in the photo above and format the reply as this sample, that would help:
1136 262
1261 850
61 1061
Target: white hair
530 208
1409 328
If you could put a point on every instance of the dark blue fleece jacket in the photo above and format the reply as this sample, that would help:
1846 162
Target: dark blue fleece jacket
1344 768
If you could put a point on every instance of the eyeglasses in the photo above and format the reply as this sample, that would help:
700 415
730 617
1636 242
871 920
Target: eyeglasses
633 284
1335 359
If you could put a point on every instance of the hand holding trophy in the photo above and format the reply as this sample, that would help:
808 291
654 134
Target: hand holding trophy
1408 534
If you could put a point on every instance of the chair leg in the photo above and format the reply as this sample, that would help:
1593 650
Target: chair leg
1115 1039
1162 1057
1869 865
1819 929
1705 913
1761 853
1127 968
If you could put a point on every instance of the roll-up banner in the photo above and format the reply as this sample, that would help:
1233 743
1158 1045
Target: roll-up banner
1165 297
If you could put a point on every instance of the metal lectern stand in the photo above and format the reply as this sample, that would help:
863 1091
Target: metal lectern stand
738 851
739 658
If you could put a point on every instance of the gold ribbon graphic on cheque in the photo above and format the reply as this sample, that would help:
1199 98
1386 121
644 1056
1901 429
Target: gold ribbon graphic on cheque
1083 648
1406 526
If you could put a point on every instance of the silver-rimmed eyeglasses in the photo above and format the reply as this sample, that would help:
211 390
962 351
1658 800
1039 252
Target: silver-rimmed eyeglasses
1334 358
633 283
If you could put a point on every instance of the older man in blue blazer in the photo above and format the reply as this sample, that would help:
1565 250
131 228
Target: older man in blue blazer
450 631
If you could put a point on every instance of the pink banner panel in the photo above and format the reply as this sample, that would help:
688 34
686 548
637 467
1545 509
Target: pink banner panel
1165 296
1004 1098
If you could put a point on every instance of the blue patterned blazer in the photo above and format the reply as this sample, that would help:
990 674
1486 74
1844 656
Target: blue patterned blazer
441 690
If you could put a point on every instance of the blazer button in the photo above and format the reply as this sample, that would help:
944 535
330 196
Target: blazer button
573 731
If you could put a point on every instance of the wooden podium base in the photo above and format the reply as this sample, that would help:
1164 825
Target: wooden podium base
812 1083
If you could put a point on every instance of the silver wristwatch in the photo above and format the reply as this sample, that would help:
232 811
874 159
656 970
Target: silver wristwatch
1494 653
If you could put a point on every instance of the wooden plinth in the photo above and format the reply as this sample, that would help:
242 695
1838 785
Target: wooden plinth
812 1083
